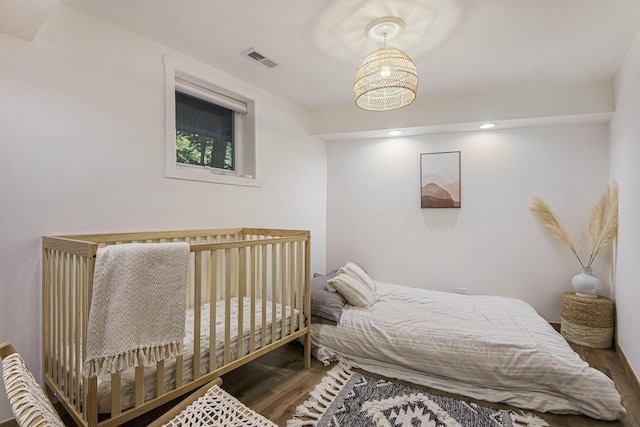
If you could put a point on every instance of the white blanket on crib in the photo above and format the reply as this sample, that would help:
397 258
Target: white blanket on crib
137 307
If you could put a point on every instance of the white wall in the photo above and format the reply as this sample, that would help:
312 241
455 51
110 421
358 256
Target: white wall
625 161
492 245
82 150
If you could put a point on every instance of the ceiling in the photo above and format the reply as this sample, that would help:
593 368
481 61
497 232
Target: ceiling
459 46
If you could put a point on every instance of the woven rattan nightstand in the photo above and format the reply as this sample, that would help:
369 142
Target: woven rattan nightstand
587 321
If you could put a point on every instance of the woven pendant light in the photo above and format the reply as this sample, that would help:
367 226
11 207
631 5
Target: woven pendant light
387 78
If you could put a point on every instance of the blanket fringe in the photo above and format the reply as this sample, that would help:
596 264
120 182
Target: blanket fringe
134 358
321 397
528 420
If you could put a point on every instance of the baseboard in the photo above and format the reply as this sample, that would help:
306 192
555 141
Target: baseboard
627 369
10 423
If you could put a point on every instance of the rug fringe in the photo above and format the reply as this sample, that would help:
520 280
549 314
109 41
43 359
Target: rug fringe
311 411
528 420
321 397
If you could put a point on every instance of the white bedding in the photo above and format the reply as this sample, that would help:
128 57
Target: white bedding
490 348
104 381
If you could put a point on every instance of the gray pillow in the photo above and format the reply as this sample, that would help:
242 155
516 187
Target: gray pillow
322 320
324 304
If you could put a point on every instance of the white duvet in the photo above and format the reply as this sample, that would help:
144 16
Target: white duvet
490 348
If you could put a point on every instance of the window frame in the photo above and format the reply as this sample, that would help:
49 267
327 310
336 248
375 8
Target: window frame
189 79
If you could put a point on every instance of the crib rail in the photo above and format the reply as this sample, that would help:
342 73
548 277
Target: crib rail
251 280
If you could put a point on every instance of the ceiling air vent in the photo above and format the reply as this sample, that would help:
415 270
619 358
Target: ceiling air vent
261 58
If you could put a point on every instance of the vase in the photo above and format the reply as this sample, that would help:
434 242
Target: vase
586 284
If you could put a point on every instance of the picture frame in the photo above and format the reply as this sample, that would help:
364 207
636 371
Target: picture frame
440 180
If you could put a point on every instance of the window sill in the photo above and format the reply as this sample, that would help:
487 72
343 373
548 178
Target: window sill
208 176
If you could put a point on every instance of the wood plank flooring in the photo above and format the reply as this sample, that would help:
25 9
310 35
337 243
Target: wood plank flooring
275 384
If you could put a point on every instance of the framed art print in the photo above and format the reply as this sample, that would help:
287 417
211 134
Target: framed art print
440 180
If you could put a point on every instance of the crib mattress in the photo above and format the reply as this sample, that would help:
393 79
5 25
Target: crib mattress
127 377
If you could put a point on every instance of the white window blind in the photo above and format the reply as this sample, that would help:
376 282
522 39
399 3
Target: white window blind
212 96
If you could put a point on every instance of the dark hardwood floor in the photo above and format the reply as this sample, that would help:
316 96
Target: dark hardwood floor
275 384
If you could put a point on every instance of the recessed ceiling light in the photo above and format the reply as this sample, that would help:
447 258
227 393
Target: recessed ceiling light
395 133
487 126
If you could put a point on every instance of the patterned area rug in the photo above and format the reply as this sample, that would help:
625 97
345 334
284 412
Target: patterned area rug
345 398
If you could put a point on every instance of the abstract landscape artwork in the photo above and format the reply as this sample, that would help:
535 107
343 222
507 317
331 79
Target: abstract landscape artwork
440 180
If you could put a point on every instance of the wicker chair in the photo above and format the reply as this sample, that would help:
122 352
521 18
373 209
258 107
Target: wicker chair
30 405
208 406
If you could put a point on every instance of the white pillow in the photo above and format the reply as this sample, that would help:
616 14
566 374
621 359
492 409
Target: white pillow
354 270
352 289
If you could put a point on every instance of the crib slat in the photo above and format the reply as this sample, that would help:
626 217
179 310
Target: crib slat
190 278
197 301
66 309
74 348
116 387
291 290
55 284
241 278
299 286
88 294
252 265
227 307
59 324
305 312
91 411
210 281
179 371
213 312
160 378
209 275
50 292
222 262
264 288
46 260
283 289
139 386
274 289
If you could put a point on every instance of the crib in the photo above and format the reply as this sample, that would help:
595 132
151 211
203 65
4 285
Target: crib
247 294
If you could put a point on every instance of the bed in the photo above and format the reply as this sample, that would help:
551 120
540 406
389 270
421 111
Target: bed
490 348
247 293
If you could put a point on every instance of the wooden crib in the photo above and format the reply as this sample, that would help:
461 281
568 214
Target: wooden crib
255 281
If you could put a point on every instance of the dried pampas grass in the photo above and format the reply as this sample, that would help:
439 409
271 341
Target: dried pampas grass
601 229
603 226
545 216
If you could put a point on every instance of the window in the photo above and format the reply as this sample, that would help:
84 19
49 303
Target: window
210 128
204 133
